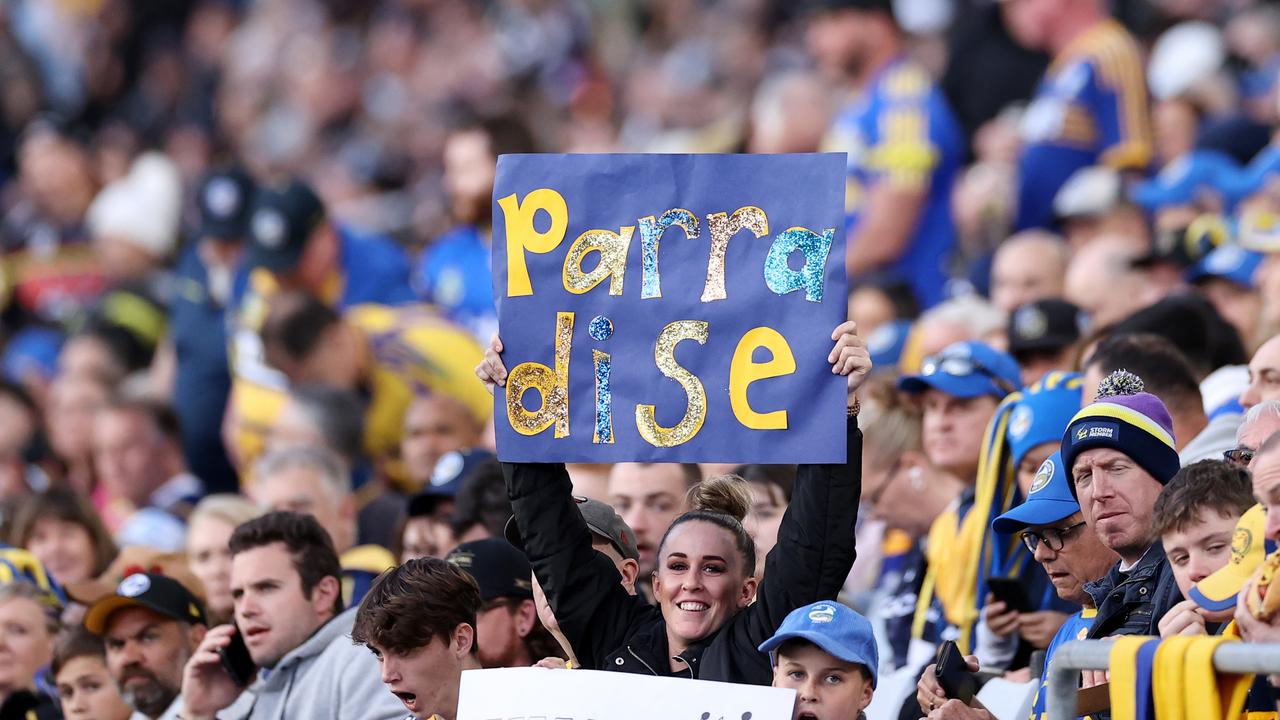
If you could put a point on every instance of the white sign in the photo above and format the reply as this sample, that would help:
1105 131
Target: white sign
540 694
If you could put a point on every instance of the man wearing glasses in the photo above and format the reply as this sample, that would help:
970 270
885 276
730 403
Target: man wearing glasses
1260 423
1052 527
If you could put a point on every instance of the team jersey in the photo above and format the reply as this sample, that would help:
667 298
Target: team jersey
372 270
1090 108
901 131
414 353
454 274
1075 628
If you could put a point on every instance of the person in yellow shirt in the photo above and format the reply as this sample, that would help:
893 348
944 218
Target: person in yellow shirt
391 355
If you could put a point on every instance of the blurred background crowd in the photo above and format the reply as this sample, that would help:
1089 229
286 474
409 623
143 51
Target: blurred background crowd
245 253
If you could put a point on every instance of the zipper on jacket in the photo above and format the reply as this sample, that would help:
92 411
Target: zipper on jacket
641 660
688 665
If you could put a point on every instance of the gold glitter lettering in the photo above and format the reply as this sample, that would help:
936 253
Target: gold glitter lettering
553 386
722 228
664 354
613 260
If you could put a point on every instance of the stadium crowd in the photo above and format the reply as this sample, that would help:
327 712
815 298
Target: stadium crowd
248 339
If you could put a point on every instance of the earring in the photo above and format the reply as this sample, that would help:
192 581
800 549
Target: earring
916 476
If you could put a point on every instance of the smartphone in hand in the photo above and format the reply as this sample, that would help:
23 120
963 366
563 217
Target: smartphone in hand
953 674
237 661
1010 592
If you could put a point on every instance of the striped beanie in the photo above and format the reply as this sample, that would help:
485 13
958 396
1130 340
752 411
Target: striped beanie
1127 419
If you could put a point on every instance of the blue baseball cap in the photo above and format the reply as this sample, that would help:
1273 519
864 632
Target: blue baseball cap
1254 176
446 479
838 630
1049 500
887 342
1229 262
32 350
1181 180
966 370
1045 409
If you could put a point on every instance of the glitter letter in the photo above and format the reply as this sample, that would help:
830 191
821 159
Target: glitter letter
613 260
664 354
553 386
522 235
722 228
743 371
650 232
778 274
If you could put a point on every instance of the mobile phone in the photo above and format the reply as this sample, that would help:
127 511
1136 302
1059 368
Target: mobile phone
953 673
237 661
1010 592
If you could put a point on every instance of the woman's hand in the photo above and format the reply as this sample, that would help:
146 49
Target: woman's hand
491 370
850 356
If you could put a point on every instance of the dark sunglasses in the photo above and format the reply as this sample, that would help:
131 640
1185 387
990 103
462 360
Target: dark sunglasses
1241 456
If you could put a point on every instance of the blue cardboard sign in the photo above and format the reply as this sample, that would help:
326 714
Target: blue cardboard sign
670 308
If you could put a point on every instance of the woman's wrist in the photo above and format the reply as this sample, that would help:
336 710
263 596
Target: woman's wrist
853 407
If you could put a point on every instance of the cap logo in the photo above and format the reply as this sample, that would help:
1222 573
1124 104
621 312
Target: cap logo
462 559
133 586
1030 323
222 197
822 614
269 228
1225 259
447 468
1020 423
1241 542
1094 432
1043 476
523 584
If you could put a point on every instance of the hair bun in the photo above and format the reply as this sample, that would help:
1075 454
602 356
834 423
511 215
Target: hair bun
724 494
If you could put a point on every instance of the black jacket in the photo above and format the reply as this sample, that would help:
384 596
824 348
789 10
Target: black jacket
611 630
1134 603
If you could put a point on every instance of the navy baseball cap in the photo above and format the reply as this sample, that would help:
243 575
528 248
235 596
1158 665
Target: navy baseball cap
1229 262
499 569
1049 500
966 370
280 224
835 628
223 201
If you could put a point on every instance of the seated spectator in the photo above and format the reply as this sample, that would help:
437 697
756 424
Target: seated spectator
1167 375
29 619
287 586
1225 277
648 496
69 422
770 494
65 534
143 475
314 481
610 537
704 583
1035 426
434 425
86 690
967 318
1028 266
1264 374
1260 423
481 507
427 530
419 621
827 654
208 553
507 627
151 624
1102 282
1195 517
1120 451
1043 336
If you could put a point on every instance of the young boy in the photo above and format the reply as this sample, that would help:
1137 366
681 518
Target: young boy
827 654
1195 517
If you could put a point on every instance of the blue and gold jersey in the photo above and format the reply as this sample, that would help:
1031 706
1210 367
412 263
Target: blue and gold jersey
1075 628
901 131
1089 109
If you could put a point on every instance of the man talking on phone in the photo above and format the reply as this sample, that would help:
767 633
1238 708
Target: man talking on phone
287 590
150 626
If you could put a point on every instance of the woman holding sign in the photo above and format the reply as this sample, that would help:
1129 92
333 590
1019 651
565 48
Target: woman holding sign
705 625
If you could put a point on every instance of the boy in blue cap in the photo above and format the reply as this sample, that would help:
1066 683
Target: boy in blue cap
827 654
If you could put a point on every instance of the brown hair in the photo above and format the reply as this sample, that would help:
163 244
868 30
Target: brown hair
410 605
309 546
723 501
1214 485
67 506
76 642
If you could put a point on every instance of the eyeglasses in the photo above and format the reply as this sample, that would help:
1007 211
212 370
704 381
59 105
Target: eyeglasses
1241 456
962 366
1054 538
874 498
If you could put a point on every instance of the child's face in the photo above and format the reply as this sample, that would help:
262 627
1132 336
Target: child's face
1199 549
826 688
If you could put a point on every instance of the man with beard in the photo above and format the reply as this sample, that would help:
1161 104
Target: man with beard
903 142
453 273
150 626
